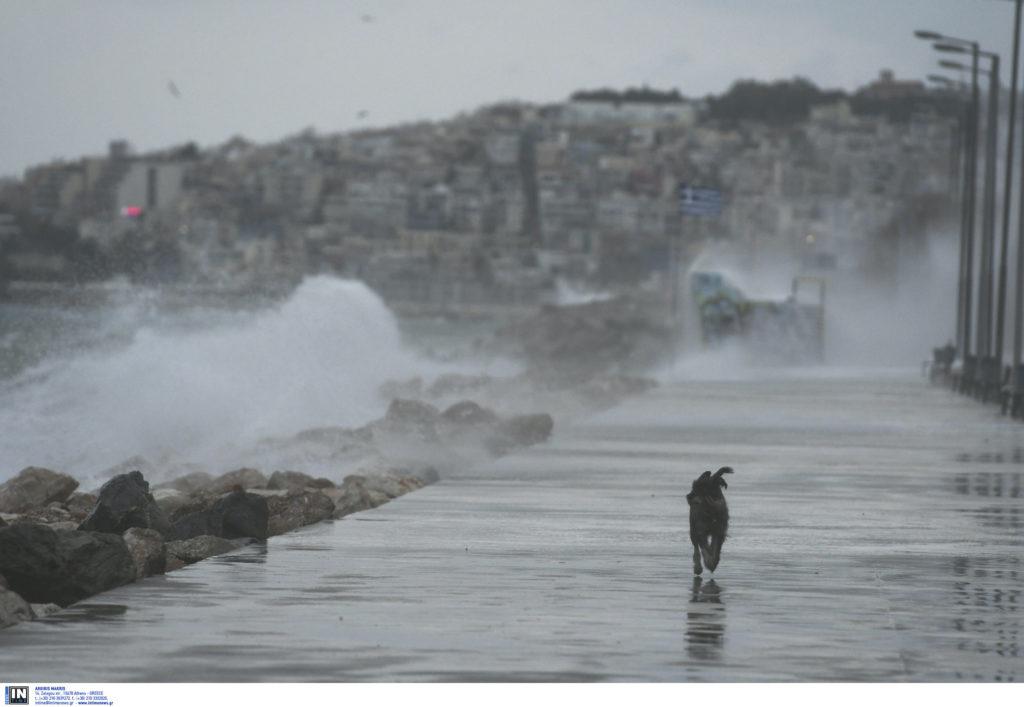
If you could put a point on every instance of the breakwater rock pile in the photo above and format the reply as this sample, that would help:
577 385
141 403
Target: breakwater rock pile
59 545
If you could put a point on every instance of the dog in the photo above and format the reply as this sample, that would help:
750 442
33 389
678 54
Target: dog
709 518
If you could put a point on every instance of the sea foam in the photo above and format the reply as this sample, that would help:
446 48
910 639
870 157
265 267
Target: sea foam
208 392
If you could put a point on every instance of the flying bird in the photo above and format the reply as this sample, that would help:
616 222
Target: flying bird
709 518
173 88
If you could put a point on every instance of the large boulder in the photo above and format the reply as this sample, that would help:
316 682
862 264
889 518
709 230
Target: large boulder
125 502
297 509
44 565
236 515
34 487
148 551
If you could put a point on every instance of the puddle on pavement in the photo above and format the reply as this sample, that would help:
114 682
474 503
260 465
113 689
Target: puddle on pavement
988 618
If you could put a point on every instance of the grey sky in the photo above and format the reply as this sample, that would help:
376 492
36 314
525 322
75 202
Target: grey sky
77 73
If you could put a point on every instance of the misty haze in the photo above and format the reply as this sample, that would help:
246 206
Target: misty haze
425 391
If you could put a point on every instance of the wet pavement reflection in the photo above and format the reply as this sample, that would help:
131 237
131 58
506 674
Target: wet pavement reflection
705 621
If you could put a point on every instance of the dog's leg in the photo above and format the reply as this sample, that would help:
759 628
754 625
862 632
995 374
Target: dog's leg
714 552
710 559
697 568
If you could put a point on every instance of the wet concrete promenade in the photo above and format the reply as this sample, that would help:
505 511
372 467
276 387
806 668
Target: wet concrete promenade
876 536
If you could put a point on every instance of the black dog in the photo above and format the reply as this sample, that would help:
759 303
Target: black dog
709 518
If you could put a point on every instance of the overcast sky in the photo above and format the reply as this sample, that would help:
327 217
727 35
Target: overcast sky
77 73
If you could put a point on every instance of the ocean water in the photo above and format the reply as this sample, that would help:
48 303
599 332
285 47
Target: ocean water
85 389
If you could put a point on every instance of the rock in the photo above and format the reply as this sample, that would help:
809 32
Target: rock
244 478
200 547
46 565
468 412
13 609
520 431
353 496
236 515
34 487
147 550
125 502
296 480
297 509
187 484
412 418
51 514
41 610
79 505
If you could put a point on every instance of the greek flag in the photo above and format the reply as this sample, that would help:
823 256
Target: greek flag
700 201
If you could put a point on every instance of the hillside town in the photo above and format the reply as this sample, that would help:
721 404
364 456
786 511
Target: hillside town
494 206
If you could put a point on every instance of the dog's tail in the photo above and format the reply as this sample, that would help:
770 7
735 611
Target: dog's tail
718 476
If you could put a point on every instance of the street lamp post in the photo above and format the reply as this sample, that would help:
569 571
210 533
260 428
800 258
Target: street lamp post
988 366
966 279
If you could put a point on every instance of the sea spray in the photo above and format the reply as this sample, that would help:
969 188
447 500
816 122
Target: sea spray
208 392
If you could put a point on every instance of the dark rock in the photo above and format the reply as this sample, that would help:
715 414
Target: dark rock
199 548
468 412
148 551
125 502
243 478
34 487
236 515
297 509
13 609
44 565
296 480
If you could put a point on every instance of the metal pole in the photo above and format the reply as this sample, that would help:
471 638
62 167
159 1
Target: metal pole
1016 374
970 362
1007 189
988 375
